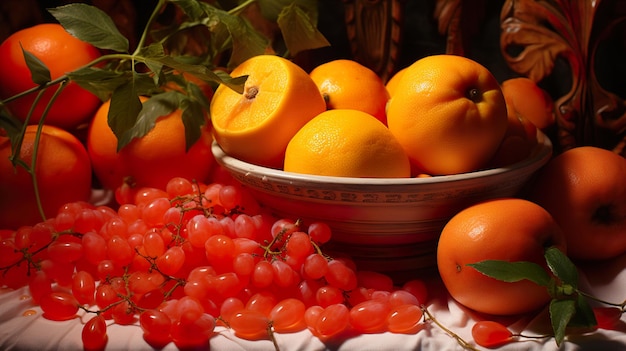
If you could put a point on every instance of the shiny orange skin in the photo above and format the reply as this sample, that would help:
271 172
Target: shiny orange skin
150 161
346 143
529 100
61 53
63 175
256 126
448 113
584 189
392 83
348 84
508 229
518 142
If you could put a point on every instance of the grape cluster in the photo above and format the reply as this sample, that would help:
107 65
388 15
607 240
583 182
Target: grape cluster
179 261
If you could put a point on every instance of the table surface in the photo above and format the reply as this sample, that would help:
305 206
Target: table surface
603 280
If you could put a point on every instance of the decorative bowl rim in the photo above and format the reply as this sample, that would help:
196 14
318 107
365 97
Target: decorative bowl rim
539 156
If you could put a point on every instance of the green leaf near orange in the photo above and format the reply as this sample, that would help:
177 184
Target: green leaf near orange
40 74
300 31
160 57
90 24
568 307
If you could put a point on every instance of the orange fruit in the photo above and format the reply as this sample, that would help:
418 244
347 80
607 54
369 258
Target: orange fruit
518 142
61 53
529 100
448 113
584 189
506 229
347 84
63 172
256 126
152 160
392 83
346 143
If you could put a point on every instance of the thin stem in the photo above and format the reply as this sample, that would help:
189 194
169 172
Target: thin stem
65 77
459 340
533 336
272 336
33 161
151 20
621 305
239 8
14 158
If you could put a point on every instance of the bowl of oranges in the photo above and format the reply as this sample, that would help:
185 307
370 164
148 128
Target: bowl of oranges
385 185
386 224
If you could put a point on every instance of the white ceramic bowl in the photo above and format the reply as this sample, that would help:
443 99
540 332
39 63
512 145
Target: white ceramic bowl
387 225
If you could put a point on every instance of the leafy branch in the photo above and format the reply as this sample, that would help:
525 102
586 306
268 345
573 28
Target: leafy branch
158 61
159 66
569 306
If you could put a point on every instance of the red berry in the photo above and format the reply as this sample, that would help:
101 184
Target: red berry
491 334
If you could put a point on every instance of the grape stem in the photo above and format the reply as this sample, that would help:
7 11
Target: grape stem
272 336
621 306
277 238
428 316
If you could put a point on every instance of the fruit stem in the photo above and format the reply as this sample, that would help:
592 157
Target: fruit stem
532 336
272 336
240 8
251 92
621 306
149 23
473 94
464 344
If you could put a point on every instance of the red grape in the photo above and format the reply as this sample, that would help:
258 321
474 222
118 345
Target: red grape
320 232
84 288
94 334
288 315
39 285
58 306
405 319
370 316
333 320
491 334
156 326
250 324
607 317
171 259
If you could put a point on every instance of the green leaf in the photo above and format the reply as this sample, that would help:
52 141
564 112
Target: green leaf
299 31
271 9
561 312
584 316
12 126
246 40
561 266
193 119
152 50
39 72
192 8
196 93
123 111
98 81
146 83
155 107
204 73
513 271
90 24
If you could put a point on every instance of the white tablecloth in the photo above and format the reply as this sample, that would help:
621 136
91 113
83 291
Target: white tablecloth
606 281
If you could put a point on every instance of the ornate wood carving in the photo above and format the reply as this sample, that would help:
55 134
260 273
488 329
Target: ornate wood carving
536 33
374 28
535 37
